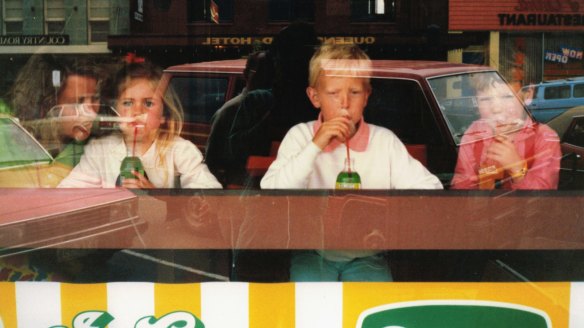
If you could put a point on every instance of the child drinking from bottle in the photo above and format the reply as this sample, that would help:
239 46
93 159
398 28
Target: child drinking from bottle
150 129
505 148
312 154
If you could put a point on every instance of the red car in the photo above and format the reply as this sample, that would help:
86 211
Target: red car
427 104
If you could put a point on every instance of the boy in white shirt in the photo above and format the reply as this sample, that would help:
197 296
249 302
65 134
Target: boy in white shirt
312 154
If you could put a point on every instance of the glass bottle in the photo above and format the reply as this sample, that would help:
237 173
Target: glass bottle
129 164
348 178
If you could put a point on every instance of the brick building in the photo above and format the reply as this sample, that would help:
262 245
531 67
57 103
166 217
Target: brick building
174 31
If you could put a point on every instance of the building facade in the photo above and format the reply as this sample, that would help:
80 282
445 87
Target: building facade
529 40
179 31
68 27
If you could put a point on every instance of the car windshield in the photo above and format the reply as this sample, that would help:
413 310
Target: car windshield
18 148
457 99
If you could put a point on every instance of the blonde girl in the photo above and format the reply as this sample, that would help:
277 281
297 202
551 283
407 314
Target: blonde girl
152 120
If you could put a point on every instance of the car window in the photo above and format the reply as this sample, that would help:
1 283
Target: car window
239 85
457 102
579 90
200 96
559 92
575 133
400 106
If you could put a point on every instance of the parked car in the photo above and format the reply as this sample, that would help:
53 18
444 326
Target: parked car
429 105
24 162
62 226
570 128
547 100
202 89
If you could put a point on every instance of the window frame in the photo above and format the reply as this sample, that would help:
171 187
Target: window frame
12 20
97 19
388 17
50 19
206 18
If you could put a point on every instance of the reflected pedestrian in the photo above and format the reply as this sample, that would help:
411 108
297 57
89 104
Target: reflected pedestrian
238 127
292 49
55 98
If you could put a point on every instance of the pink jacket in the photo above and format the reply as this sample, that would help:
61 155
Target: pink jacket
536 143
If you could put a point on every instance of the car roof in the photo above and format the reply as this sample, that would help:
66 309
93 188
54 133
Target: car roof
571 80
381 68
219 66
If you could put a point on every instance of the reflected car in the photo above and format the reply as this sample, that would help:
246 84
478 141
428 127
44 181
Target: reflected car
570 128
202 88
549 99
61 224
24 162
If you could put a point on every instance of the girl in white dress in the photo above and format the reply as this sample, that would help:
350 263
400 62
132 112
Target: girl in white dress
151 124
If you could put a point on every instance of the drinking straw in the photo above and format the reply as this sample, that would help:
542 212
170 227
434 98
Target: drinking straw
348 156
134 143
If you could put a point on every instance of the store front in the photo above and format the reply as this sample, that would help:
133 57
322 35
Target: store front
179 49
530 41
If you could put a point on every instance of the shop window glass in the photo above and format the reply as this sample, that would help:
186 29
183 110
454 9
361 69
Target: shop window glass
373 10
289 10
561 92
12 15
579 90
199 11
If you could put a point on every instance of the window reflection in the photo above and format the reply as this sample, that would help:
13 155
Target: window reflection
290 10
373 10
199 11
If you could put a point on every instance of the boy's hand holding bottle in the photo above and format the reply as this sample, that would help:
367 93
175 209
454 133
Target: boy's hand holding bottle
341 128
501 157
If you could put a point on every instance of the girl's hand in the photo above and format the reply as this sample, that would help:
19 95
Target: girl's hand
503 151
340 128
141 182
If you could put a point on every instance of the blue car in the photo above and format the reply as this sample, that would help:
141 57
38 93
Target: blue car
547 100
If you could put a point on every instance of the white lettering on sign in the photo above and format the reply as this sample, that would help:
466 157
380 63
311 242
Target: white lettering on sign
556 57
348 39
237 41
101 319
175 319
34 40
572 53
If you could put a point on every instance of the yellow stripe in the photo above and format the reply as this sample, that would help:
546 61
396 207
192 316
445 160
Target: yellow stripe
177 297
78 298
8 304
271 305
